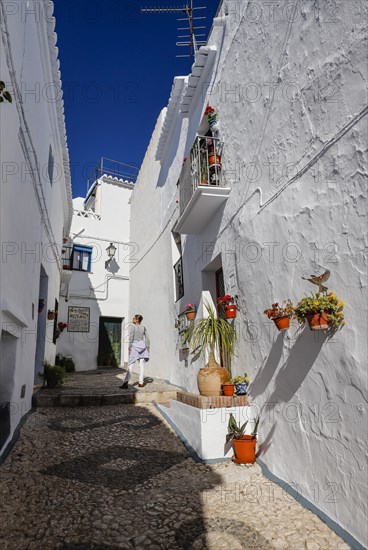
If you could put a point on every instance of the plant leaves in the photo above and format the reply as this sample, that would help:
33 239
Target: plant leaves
7 96
1 99
242 429
2 85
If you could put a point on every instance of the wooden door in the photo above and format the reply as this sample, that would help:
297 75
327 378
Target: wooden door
109 342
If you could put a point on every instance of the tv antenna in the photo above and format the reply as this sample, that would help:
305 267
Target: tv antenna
186 40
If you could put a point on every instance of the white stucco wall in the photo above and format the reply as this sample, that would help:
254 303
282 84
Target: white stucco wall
297 167
35 213
104 291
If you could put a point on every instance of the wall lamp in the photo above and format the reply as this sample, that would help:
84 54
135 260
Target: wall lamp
111 249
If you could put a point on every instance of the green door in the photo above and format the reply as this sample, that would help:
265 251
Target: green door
109 342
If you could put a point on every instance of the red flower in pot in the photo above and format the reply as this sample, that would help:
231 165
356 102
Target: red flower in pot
281 315
228 303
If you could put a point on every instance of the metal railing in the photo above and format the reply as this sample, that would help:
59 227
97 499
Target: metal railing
113 169
202 168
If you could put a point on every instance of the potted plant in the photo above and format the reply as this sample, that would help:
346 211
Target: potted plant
228 303
207 334
281 315
322 311
53 375
203 167
228 389
190 311
65 361
211 115
60 327
241 384
244 445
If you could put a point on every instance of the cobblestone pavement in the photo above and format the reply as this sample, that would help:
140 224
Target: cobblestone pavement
117 477
108 380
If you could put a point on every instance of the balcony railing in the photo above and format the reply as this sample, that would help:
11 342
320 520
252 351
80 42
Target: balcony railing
202 188
203 168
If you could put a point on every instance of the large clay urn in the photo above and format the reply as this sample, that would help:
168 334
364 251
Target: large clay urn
211 378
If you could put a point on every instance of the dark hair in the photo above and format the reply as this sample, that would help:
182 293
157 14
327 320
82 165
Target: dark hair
138 318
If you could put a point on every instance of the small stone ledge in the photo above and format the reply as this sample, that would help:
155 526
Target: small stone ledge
217 402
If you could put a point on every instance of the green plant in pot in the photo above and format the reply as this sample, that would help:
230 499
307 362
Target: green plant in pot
65 361
53 375
244 444
322 311
208 334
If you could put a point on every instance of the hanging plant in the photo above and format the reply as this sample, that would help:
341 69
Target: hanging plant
4 94
321 311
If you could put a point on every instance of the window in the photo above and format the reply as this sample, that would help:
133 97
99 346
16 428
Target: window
50 165
179 280
81 258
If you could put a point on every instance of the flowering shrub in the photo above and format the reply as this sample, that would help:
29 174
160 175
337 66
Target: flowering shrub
189 307
62 326
276 311
318 303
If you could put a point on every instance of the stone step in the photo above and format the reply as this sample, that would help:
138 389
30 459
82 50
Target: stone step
55 398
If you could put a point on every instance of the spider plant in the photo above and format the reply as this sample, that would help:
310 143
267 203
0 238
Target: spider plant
211 332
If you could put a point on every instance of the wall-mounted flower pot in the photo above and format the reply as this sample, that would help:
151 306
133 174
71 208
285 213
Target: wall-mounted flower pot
190 314
50 315
230 311
282 323
245 449
318 321
228 389
203 182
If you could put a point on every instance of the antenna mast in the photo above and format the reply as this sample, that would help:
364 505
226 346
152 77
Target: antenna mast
191 40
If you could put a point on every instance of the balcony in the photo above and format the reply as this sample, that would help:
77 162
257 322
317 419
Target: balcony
201 186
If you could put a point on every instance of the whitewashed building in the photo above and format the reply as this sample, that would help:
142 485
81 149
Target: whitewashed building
94 302
36 203
288 87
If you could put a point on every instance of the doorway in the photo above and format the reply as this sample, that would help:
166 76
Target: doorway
41 325
8 355
109 342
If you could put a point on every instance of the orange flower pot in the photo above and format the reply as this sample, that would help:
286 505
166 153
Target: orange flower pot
190 314
203 183
230 311
228 389
318 321
282 323
245 449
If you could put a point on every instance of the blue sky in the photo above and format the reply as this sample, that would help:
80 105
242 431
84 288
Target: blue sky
117 68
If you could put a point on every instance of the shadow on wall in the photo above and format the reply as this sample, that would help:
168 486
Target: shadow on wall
300 361
264 376
296 368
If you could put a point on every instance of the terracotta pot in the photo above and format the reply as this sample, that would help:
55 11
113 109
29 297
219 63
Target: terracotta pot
245 449
318 321
190 314
203 183
50 315
230 311
228 389
214 159
282 323
211 379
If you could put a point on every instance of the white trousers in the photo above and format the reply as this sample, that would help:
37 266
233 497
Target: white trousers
141 371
